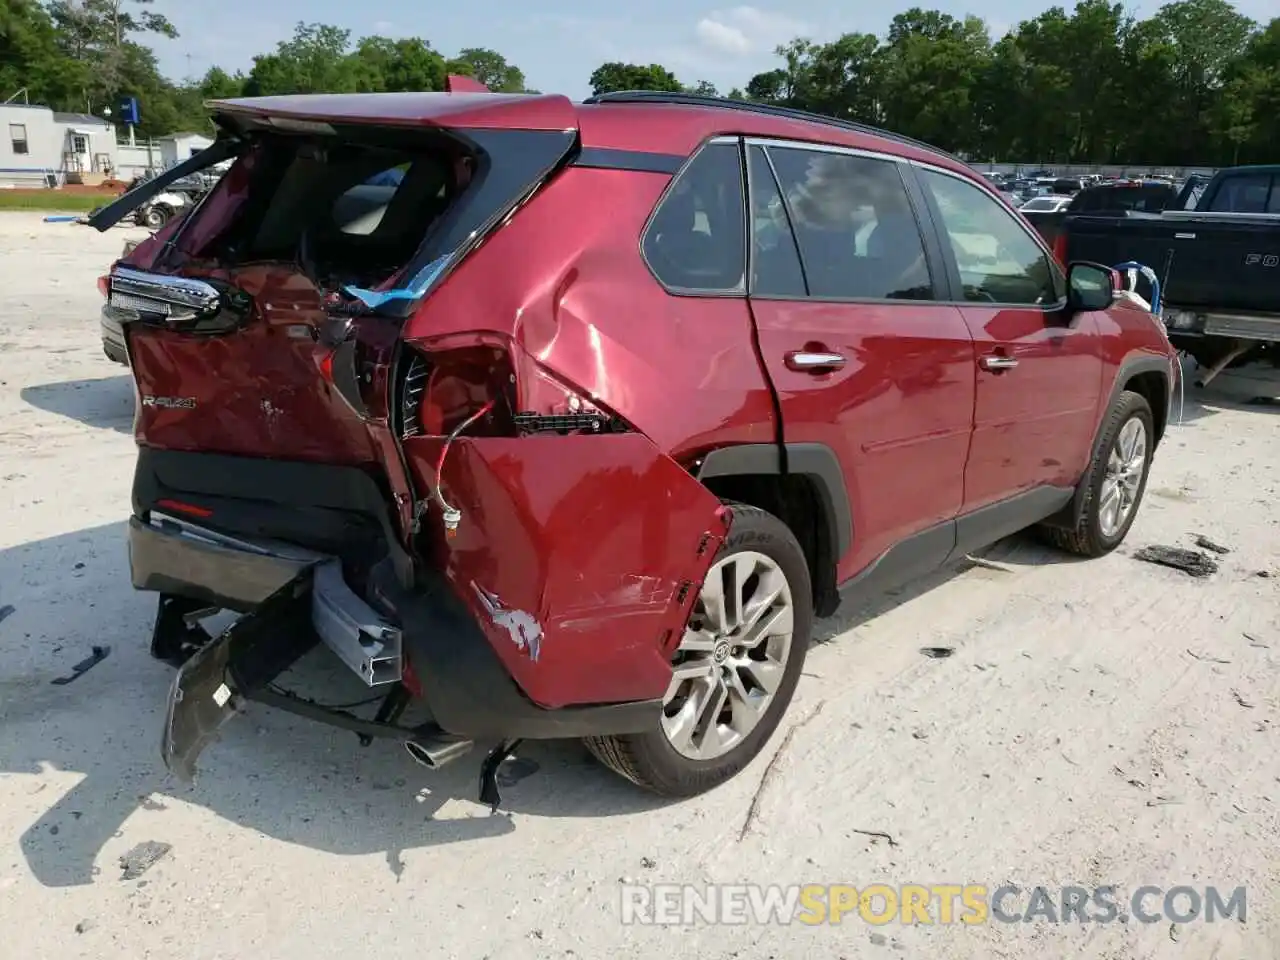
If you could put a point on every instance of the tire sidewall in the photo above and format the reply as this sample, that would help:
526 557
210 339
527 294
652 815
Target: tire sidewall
1129 407
751 530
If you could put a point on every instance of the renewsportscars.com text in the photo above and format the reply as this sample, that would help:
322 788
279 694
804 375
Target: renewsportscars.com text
966 904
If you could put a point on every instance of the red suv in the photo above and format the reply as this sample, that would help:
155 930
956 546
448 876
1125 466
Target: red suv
567 419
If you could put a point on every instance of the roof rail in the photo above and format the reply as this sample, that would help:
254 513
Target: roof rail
766 109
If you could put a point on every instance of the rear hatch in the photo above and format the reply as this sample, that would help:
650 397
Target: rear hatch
266 322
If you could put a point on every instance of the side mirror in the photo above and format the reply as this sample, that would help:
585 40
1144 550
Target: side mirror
1090 286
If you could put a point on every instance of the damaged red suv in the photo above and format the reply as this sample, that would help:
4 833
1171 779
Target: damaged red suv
566 420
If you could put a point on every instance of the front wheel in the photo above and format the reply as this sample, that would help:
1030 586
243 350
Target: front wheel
735 669
156 217
1115 481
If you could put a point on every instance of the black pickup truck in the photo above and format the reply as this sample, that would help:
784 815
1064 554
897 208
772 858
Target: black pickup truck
1218 264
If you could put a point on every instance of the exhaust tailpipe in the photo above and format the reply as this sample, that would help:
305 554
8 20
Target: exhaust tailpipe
434 750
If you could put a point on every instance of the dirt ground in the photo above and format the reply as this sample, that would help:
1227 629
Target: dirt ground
1105 722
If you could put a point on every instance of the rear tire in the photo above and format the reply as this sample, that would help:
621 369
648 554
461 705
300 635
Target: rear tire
719 710
1115 481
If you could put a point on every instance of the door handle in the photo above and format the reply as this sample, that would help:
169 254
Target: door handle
811 361
994 361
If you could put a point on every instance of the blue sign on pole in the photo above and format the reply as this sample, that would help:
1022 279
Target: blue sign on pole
129 111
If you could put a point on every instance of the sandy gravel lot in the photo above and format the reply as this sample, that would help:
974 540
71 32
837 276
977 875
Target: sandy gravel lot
1109 722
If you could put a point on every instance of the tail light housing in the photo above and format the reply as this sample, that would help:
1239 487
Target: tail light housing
440 387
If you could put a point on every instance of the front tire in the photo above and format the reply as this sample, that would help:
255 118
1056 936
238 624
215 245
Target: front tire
1115 481
156 217
736 667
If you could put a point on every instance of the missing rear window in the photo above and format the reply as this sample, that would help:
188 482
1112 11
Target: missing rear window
346 211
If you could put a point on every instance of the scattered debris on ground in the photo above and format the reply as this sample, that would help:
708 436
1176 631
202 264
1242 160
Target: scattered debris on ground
991 564
1191 562
937 653
1206 658
1236 695
876 835
1204 543
84 666
142 858
6 611
84 926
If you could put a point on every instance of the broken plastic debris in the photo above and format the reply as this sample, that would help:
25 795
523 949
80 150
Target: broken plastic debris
142 858
1204 543
84 666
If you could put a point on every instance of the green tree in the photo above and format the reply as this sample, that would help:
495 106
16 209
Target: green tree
490 68
703 89
314 60
399 65
610 77
33 58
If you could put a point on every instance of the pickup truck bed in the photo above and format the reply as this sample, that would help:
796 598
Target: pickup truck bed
1218 264
1206 261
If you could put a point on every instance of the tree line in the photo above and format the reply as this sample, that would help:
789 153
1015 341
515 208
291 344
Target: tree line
1197 82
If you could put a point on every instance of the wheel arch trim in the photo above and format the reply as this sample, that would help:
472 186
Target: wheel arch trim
817 461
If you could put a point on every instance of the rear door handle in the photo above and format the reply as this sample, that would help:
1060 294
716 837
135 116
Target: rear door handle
807 361
994 361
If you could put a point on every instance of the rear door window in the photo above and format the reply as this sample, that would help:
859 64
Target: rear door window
775 259
696 241
854 224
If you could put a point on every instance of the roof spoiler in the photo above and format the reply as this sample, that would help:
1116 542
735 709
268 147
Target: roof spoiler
458 83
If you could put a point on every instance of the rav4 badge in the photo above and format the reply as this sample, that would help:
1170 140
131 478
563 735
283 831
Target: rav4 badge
170 403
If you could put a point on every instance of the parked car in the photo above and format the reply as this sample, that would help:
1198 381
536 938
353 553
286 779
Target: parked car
559 439
1045 204
1216 250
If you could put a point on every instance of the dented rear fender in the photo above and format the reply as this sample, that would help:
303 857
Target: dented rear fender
579 556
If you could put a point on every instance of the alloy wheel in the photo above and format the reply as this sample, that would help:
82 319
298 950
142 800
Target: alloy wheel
731 658
1120 484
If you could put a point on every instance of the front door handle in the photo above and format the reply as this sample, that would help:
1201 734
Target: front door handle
812 361
996 362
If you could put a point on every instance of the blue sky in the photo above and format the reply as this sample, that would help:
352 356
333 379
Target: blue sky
564 40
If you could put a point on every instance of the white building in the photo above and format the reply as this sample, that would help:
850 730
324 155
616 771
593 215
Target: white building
159 153
40 146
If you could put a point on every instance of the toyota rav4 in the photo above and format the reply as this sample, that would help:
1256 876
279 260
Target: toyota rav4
567 419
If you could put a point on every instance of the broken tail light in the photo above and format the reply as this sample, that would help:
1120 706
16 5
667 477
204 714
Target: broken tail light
440 389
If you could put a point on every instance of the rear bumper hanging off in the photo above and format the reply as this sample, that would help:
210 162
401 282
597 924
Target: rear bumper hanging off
292 599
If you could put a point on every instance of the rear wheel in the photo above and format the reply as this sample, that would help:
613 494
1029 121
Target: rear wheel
735 669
